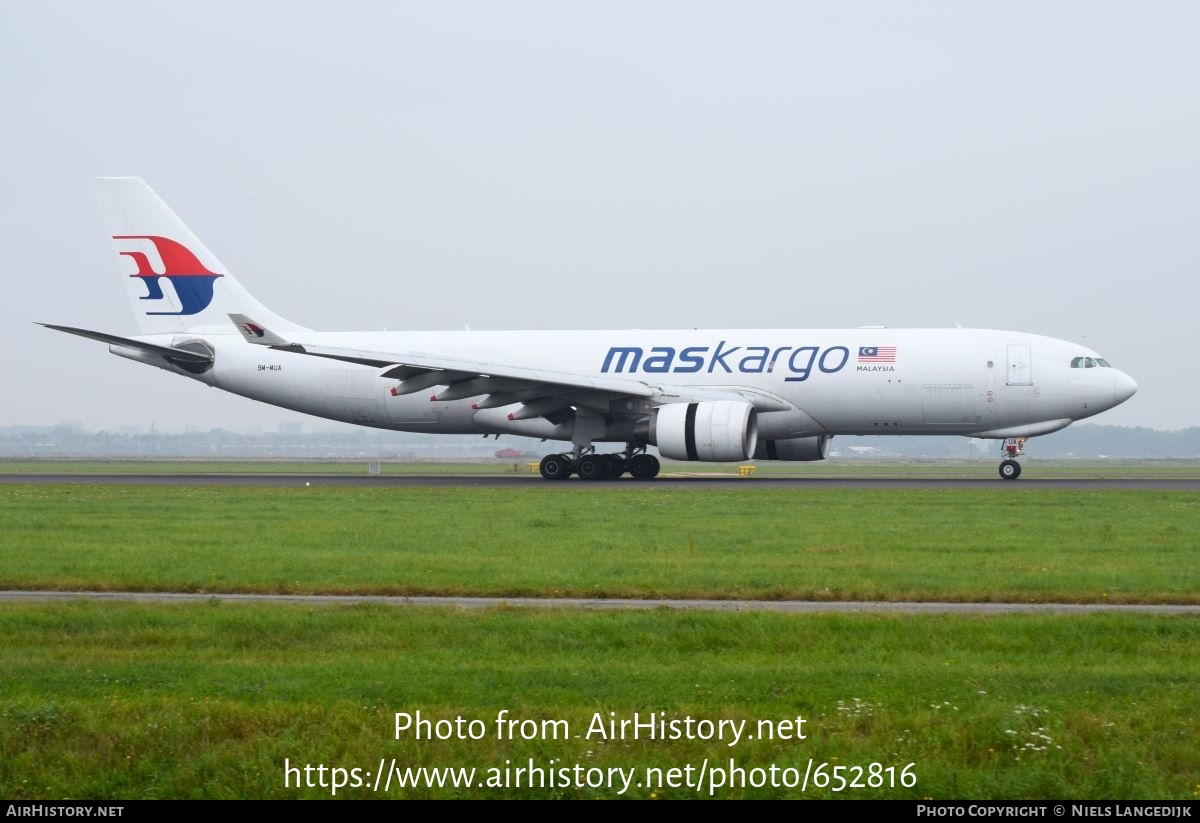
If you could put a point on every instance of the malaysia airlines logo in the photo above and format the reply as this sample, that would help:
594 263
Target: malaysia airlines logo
193 283
876 354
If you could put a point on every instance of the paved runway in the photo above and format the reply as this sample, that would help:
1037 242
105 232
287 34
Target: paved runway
790 606
665 482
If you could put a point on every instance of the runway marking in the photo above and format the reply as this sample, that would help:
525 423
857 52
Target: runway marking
786 606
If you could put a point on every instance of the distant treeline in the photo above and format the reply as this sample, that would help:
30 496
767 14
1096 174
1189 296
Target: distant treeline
72 440
1074 441
1122 441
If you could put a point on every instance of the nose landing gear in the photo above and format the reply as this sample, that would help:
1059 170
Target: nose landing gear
1013 448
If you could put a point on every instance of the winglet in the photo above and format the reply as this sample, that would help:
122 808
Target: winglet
256 334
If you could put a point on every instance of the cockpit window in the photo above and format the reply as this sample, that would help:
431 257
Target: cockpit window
1077 363
1103 362
1089 363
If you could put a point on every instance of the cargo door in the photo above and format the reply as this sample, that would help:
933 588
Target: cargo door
1020 370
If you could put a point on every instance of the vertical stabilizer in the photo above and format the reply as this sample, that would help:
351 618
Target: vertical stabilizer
174 282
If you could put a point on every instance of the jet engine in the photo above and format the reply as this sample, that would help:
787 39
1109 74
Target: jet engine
723 430
795 448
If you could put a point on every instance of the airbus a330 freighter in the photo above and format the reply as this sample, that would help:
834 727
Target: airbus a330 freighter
714 395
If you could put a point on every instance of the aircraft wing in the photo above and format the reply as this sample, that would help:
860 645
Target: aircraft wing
503 384
454 371
542 393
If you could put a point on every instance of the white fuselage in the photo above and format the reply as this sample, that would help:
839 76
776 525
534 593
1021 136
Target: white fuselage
830 381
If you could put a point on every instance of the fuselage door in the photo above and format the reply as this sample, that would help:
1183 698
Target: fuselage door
1020 370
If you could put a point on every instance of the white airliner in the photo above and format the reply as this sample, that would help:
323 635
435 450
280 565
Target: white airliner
718 395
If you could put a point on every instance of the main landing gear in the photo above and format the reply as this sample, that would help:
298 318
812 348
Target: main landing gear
1013 448
589 465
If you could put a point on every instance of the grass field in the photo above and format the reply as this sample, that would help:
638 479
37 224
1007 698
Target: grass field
122 701
953 544
117 700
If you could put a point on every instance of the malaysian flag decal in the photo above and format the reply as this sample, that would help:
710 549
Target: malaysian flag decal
876 354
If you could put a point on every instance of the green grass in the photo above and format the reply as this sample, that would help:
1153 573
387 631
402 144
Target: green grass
117 700
207 700
953 544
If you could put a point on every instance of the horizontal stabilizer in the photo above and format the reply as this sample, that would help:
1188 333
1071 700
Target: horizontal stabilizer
179 356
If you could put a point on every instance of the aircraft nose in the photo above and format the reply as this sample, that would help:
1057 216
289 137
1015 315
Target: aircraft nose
1124 387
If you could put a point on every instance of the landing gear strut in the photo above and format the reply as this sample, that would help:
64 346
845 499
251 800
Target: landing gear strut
585 462
1013 448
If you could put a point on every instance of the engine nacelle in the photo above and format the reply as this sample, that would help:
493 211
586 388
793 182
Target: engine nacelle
795 448
723 430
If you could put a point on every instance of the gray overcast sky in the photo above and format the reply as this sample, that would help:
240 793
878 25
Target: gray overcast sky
1026 165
